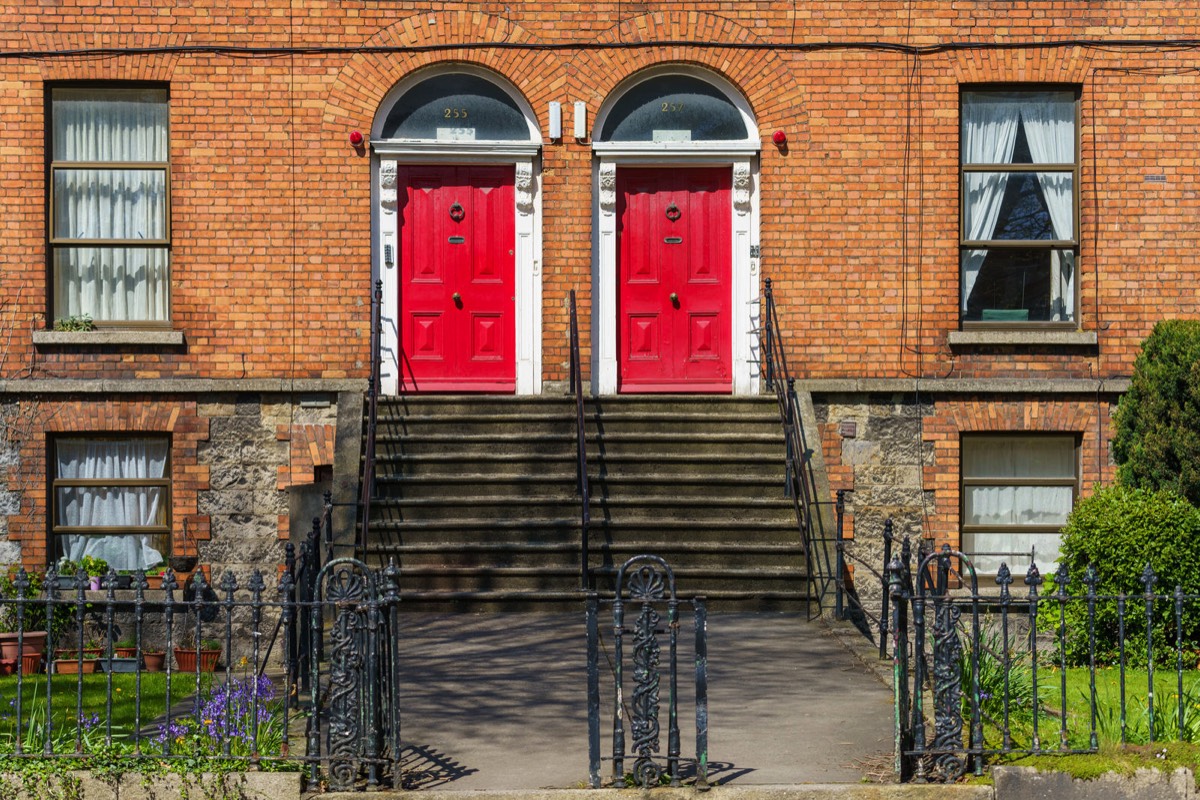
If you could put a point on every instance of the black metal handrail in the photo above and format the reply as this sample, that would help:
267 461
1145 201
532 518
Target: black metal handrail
368 470
800 482
582 487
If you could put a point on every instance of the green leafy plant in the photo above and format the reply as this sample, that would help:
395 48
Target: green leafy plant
997 679
80 322
93 567
1120 530
1157 438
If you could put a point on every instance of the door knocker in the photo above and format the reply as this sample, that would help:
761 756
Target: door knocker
673 212
457 212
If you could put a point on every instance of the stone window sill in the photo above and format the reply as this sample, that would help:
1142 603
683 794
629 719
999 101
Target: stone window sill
104 337
1031 338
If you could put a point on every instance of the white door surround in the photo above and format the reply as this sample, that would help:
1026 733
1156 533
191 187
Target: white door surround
742 159
524 156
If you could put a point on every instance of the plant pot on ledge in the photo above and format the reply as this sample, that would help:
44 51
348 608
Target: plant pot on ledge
186 659
34 642
154 661
74 666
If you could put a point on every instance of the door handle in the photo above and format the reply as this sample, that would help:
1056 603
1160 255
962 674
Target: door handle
457 298
675 299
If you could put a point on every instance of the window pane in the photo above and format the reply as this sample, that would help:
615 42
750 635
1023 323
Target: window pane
1016 205
112 283
1019 457
129 459
1018 284
988 550
110 204
1017 505
93 124
456 108
1018 127
110 506
673 108
140 551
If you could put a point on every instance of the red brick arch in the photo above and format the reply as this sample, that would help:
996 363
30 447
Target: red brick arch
366 78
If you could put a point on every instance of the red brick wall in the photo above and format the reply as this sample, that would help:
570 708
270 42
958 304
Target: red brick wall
271 208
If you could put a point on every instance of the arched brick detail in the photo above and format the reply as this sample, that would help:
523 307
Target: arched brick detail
1026 65
758 74
366 78
134 67
178 419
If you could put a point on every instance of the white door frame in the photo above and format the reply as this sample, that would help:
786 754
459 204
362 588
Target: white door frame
742 158
389 154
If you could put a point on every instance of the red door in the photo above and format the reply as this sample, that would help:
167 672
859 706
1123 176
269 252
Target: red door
457 329
674 268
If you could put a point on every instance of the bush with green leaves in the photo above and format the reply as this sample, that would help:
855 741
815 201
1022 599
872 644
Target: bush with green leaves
1157 438
1120 530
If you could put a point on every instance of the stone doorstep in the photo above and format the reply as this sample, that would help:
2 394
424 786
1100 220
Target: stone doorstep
232 786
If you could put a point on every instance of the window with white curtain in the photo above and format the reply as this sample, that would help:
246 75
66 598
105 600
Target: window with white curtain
1017 491
109 204
1020 193
111 499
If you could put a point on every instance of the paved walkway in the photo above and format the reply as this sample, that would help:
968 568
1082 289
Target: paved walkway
498 701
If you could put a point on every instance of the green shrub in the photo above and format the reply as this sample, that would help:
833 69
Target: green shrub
1157 438
1120 530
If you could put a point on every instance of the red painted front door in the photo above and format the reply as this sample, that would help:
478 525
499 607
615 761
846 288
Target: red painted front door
457 282
674 272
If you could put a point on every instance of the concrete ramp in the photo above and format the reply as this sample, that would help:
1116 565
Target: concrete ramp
498 701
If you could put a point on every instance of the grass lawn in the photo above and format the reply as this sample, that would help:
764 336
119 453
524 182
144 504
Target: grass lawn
88 709
1078 716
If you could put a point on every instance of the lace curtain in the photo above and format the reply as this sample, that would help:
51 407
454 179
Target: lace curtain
990 124
120 282
127 507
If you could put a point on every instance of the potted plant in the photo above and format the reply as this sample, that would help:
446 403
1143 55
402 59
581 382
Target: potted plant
154 660
94 568
205 656
24 634
73 662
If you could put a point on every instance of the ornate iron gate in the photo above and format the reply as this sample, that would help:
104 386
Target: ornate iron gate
650 585
355 727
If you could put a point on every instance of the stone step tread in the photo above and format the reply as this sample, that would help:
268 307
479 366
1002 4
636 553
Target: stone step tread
533 595
655 523
627 436
765 573
739 548
610 502
667 478
593 458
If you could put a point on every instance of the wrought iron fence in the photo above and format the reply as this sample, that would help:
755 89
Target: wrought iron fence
647 584
193 670
1045 670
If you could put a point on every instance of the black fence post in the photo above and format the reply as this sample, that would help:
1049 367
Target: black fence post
592 615
701 617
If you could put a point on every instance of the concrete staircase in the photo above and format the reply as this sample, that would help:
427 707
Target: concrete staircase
475 498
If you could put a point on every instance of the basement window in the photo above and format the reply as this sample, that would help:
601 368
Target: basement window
1017 491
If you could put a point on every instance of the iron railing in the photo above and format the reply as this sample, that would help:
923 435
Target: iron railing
983 675
186 673
582 487
367 487
800 481
647 584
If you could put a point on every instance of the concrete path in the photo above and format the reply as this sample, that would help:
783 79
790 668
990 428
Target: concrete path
498 701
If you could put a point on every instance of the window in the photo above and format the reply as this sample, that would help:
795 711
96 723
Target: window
457 107
1020 178
1016 494
109 204
111 498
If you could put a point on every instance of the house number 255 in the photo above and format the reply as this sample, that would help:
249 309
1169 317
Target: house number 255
454 113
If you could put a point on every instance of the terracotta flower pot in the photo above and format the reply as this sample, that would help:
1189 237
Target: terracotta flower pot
31 663
8 666
34 642
186 659
73 666
125 652
154 661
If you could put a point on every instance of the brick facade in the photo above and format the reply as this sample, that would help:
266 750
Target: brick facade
271 208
